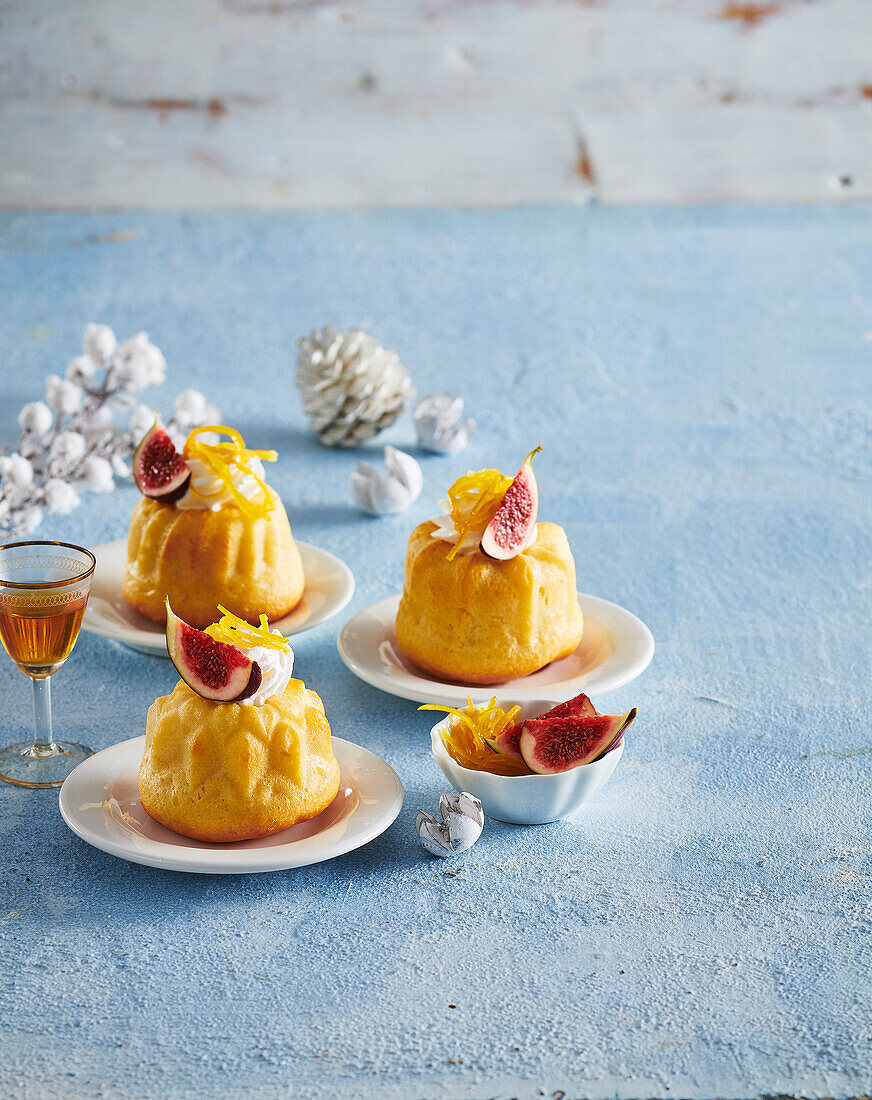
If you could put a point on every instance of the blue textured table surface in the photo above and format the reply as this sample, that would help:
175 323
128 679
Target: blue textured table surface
701 382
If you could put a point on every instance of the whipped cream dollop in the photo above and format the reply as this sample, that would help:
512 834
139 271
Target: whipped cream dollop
447 531
205 483
276 667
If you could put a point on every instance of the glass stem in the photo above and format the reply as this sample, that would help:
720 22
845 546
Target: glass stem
43 741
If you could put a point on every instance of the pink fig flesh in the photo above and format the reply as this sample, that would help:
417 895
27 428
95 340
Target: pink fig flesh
578 707
512 526
553 745
509 741
214 670
159 470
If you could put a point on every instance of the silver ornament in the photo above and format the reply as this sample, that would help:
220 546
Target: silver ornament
352 388
382 492
438 424
460 827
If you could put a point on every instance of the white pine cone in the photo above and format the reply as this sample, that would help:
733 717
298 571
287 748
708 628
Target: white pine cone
352 388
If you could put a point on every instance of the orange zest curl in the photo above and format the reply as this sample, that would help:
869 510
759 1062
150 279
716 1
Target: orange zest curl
466 738
221 459
474 498
235 631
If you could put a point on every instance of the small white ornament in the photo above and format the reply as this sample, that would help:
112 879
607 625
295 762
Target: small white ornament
104 415
67 447
36 418
178 435
138 364
121 468
101 432
81 370
60 497
192 408
438 424
63 396
460 827
97 475
99 343
352 388
190 404
30 519
17 471
141 420
384 492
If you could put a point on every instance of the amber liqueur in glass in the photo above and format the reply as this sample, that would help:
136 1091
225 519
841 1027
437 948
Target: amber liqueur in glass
39 632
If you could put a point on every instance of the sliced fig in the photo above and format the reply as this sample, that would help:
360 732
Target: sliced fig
578 707
552 745
215 670
509 741
159 470
513 525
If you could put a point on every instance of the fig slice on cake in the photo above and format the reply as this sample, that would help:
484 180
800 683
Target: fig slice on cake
552 745
513 526
509 741
214 670
159 471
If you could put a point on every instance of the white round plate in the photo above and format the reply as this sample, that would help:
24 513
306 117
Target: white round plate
615 648
100 802
329 587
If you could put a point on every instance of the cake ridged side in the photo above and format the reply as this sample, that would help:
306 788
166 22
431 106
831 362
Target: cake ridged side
224 772
483 621
201 558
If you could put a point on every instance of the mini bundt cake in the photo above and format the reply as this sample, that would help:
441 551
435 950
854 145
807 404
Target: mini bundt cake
220 769
208 529
483 618
483 621
199 558
225 771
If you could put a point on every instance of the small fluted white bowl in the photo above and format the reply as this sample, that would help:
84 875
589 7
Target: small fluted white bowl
526 799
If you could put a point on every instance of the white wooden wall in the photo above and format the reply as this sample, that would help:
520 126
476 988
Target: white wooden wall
289 103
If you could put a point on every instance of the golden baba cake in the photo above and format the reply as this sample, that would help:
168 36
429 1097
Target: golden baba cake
208 528
231 769
489 594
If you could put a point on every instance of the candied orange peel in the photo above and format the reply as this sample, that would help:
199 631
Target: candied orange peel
474 498
466 737
222 459
235 631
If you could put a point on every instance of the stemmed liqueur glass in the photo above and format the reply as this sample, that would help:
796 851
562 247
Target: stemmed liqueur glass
44 589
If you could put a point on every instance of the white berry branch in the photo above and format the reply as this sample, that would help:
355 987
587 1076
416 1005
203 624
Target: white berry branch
71 442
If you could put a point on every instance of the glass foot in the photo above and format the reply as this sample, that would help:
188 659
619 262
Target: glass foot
25 766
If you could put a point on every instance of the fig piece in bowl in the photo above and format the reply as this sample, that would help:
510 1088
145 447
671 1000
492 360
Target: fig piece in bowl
553 745
508 741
